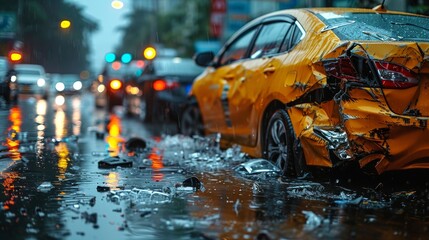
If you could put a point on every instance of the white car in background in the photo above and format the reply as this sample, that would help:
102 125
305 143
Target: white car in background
65 83
31 79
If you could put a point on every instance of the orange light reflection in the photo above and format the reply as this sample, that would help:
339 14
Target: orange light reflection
114 138
156 157
9 188
112 180
63 159
12 141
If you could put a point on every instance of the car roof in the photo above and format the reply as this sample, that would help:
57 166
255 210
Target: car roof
31 66
308 15
357 10
336 10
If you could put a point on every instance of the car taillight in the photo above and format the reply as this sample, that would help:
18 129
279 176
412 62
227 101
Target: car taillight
392 76
395 76
132 90
161 85
115 84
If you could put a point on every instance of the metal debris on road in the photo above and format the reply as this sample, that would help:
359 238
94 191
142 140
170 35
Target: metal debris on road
113 162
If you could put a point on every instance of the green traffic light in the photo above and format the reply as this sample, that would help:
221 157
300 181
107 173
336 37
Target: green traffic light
110 57
126 57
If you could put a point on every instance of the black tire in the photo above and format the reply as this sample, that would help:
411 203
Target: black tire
281 146
190 121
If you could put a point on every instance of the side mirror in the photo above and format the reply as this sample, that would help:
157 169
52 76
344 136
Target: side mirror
204 59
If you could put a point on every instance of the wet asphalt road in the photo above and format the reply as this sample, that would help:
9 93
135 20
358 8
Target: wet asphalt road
53 188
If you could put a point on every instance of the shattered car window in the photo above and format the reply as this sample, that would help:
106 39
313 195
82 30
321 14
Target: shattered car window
375 26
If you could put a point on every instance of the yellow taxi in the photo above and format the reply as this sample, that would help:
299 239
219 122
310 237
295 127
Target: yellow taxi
320 87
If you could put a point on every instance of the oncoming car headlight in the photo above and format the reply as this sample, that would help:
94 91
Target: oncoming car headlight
77 85
101 88
41 82
60 86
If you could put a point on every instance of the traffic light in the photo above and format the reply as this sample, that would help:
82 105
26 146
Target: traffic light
15 56
149 53
126 58
110 57
64 24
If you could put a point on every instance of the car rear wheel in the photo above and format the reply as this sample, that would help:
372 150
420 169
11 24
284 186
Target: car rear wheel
190 122
281 146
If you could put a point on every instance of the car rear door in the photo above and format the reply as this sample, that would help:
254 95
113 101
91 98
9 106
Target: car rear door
260 70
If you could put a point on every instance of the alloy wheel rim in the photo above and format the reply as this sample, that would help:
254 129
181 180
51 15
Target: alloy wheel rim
277 144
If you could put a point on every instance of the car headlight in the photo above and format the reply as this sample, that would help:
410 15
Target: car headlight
60 86
60 100
101 88
41 82
77 85
13 78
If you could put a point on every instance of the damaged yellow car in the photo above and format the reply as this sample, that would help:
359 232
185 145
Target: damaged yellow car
320 87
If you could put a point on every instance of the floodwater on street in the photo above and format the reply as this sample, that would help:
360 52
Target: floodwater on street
55 185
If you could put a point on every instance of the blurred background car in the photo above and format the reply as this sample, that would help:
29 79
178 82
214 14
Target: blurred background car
164 86
65 83
133 71
31 79
111 81
8 89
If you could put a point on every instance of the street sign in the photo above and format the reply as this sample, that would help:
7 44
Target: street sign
7 25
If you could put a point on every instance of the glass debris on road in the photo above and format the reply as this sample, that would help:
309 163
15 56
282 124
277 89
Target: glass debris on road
45 187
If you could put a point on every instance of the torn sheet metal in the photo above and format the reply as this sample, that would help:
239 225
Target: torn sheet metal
367 123
388 126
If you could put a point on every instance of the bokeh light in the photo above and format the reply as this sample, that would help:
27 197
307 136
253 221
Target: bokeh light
116 4
65 24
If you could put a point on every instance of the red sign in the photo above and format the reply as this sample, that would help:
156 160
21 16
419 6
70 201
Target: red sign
217 16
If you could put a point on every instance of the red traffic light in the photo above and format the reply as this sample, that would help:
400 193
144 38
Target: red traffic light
15 56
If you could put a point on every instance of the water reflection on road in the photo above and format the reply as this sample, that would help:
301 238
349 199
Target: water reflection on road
52 186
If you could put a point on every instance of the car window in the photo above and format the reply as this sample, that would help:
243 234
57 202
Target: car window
297 36
3 67
177 66
237 50
269 39
29 72
294 35
377 26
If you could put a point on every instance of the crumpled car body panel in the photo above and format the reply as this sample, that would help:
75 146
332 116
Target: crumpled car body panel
331 91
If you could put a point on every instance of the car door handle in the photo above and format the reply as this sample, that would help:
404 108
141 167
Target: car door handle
269 70
229 77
